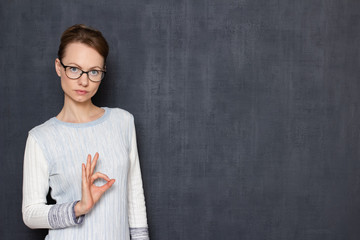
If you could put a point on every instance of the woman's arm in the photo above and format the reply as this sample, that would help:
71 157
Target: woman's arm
137 209
35 187
36 214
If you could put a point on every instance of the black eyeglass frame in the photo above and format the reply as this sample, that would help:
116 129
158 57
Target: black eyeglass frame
82 72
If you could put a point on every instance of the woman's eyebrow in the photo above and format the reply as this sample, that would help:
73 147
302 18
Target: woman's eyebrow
82 67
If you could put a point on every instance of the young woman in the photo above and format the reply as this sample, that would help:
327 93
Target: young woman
76 151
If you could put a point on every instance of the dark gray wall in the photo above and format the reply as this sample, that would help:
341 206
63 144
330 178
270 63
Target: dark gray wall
247 111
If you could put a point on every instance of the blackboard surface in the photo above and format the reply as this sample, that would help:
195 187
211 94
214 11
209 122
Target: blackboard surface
247 111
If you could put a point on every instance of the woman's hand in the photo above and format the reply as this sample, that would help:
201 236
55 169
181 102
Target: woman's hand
90 193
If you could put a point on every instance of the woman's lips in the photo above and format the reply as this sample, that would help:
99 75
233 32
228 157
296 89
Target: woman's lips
81 92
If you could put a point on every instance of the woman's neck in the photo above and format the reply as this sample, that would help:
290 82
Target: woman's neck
75 112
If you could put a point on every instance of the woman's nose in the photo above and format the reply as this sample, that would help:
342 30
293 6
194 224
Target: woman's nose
83 80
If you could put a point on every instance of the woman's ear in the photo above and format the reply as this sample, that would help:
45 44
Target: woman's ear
58 67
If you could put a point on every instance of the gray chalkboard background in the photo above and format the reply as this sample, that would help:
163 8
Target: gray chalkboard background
247 111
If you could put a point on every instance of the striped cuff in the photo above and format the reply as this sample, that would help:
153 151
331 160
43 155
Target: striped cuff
139 233
63 215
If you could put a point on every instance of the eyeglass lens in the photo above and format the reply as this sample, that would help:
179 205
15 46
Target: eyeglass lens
75 73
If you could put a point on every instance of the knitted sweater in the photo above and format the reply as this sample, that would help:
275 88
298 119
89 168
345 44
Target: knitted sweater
53 156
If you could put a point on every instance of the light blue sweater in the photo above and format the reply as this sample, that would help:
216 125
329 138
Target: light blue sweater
54 153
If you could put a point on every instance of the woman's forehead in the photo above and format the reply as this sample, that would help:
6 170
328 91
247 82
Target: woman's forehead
82 55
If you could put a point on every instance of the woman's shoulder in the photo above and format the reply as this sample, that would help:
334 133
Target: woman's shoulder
43 131
45 126
121 113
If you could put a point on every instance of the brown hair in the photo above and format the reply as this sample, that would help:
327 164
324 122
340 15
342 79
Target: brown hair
83 34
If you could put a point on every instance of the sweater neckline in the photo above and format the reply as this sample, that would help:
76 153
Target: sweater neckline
86 124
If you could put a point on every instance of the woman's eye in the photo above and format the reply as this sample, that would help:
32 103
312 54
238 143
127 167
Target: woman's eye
74 69
94 72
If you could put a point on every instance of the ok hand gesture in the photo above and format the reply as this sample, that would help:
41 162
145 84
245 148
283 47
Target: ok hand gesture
90 193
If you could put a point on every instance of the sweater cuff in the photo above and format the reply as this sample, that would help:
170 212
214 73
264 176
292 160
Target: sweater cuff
139 233
63 215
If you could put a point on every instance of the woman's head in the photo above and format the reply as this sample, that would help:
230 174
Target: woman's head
80 33
81 62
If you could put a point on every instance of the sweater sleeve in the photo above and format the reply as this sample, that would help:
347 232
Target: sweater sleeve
36 213
136 199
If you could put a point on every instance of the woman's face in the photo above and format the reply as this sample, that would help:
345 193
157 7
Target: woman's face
83 57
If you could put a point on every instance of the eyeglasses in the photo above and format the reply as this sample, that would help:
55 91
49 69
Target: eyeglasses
75 73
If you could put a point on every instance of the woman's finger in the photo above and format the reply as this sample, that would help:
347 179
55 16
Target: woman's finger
83 175
107 185
99 175
93 163
88 165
